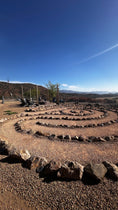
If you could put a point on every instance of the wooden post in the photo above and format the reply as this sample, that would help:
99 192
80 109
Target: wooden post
57 94
22 91
37 94
30 94
2 99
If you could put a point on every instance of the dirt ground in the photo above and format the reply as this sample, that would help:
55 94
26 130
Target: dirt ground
22 189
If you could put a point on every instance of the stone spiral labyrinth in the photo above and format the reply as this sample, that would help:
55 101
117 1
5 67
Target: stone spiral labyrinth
70 125
62 131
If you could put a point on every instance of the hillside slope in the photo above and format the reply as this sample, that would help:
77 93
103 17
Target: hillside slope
12 90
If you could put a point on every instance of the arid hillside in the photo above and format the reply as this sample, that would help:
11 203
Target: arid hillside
11 90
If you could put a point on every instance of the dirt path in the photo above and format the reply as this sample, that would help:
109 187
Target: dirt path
59 150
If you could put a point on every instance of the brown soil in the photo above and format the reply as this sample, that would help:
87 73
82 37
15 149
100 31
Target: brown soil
22 189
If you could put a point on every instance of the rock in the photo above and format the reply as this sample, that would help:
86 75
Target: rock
38 123
112 170
52 137
38 133
4 145
108 138
82 138
71 171
29 131
68 137
41 164
24 154
90 125
101 139
92 138
3 142
60 137
34 162
21 155
50 169
75 138
95 172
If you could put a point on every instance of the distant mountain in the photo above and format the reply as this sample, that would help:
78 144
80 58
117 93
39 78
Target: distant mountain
68 91
92 92
14 90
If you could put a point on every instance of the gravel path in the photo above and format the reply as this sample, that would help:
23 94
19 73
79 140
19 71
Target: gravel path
83 152
27 191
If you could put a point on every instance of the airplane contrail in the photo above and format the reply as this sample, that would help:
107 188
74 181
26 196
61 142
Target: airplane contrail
98 54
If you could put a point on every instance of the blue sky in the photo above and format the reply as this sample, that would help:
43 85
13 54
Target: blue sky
73 43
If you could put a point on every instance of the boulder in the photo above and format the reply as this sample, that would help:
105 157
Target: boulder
21 155
34 162
112 170
24 154
71 171
95 172
4 145
41 164
50 169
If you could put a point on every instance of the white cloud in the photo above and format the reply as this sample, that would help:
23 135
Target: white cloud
73 87
16 82
64 85
83 89
70 87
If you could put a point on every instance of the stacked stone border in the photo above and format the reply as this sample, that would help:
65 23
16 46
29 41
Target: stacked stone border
69 114
79 138
105 114
67 138
92 173
78 126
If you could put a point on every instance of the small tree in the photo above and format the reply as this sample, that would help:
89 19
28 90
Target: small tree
52 90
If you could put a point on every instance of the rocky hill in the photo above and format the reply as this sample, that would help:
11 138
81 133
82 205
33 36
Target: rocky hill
12 90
